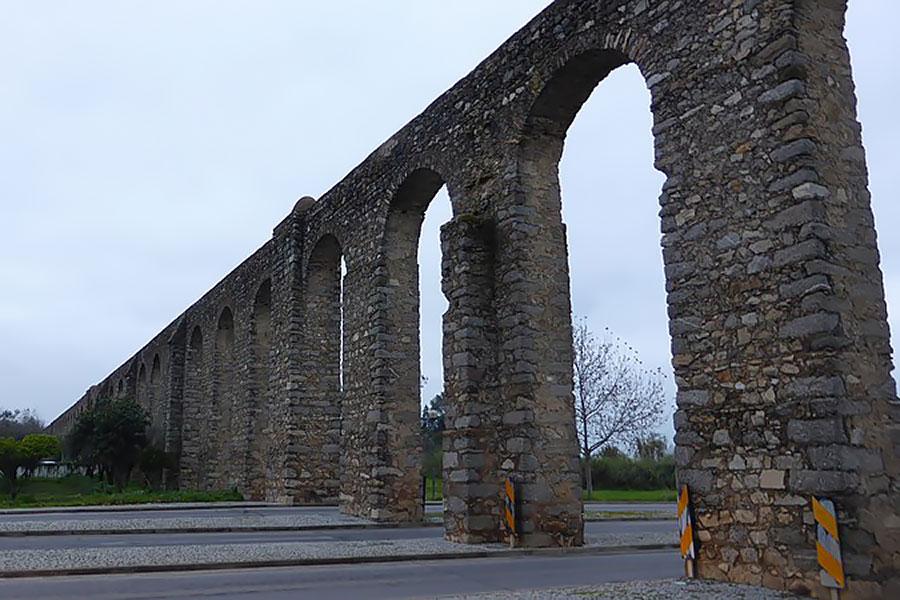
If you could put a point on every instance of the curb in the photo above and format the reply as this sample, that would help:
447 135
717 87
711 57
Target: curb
349 560
192 530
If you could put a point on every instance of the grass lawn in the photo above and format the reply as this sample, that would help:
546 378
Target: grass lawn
632 496
433 489
78 490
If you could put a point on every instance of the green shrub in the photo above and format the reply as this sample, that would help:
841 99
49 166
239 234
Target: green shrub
621 472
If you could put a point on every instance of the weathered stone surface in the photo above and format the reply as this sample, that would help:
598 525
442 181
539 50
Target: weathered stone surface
816 431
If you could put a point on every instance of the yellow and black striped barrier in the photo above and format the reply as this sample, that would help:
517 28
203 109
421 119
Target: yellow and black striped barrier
510 510
828 545
686 531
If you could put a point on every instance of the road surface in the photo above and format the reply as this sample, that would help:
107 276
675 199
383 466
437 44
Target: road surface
369 581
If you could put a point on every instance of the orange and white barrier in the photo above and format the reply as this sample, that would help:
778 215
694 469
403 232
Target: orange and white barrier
686 530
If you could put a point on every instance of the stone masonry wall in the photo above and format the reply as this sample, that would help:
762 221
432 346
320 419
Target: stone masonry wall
777 316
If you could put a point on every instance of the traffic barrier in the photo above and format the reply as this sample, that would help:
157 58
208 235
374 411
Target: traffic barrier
686 531
828 545
510 511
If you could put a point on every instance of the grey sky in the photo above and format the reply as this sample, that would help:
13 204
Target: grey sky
146 148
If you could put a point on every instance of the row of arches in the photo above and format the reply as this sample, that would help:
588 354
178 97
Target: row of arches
226 401
487 379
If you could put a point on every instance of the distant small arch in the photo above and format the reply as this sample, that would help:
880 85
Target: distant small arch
196 343
155 370
225 328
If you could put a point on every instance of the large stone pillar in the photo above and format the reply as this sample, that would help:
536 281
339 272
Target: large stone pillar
539 445
779 331
473 417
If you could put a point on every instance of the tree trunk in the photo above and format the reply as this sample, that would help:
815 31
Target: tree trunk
13 484
588 476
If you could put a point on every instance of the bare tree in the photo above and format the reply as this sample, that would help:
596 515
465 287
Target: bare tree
617 399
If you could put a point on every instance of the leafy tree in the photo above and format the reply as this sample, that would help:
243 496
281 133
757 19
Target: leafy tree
153 462
617 400
433 415
80 444
24 454
433 433
111 435
651 448
18 423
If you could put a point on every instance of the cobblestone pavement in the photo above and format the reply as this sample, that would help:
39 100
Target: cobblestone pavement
114 558
641 590
249 521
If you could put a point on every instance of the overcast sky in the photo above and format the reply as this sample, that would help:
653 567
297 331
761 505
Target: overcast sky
146 148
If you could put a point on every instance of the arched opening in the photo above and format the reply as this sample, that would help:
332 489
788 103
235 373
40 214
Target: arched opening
141 390
155 409
544 264
195 423
619 180
402 398
433 307
319 471
259 405
223 466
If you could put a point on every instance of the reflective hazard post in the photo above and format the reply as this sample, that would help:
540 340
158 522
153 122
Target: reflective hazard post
510 511
686 531
828 546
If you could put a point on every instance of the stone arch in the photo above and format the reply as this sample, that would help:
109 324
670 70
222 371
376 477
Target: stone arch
259 402
195 421
155 407
398 366
223 466
141 390
522 357
320 429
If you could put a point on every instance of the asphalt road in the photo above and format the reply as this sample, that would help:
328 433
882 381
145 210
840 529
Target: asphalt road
56 542
369 581
279 511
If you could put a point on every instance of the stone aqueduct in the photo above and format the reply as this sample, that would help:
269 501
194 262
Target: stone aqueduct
777 315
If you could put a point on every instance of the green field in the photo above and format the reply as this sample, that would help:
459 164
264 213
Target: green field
78 490
632 496
433 489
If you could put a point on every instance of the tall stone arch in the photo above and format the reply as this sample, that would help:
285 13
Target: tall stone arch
317 462
224 464
381 423
258 460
